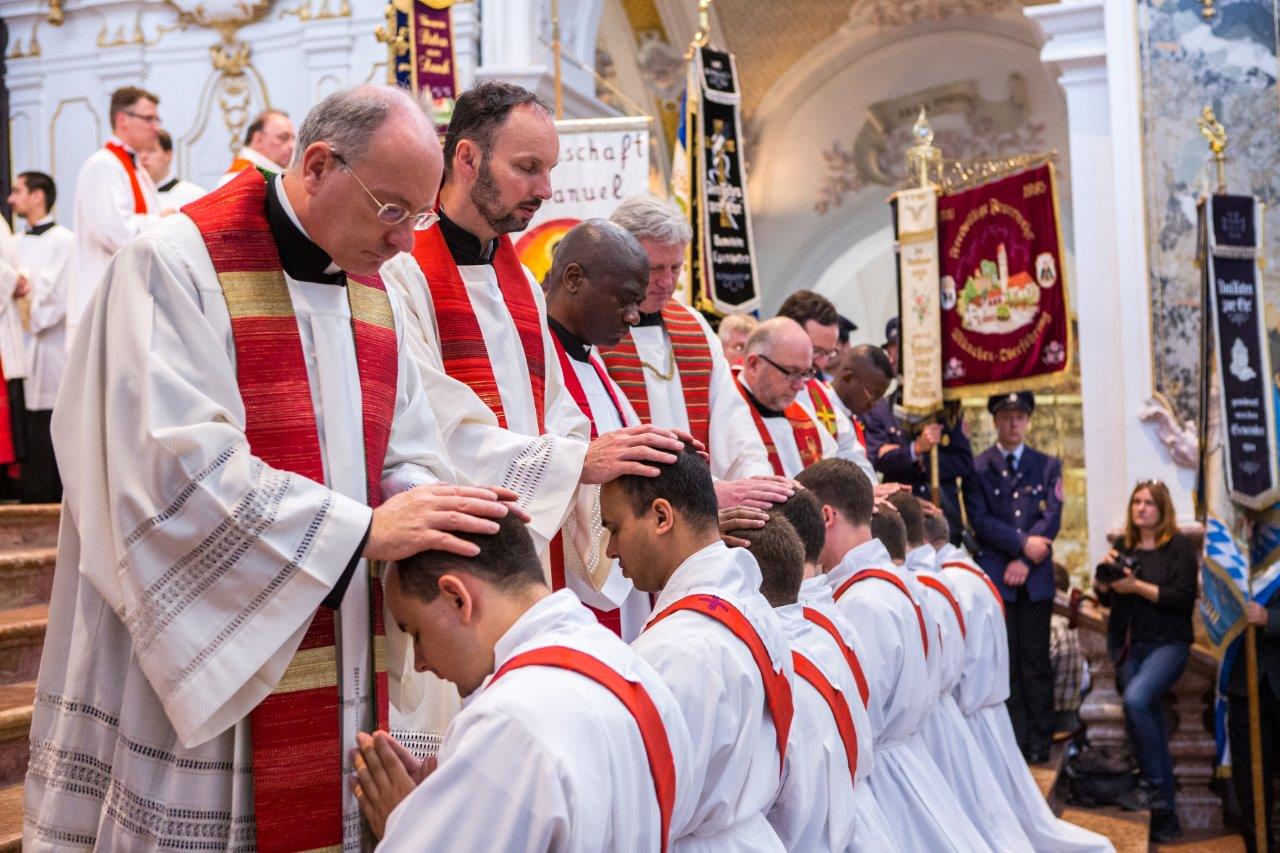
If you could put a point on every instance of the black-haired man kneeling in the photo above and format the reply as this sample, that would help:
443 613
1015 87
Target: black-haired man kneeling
568 740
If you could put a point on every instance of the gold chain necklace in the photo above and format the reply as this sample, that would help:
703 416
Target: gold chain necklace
671 365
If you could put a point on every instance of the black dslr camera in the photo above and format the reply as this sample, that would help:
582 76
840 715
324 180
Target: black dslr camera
1112 572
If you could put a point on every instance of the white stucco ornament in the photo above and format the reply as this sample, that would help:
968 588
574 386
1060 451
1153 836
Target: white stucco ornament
220 13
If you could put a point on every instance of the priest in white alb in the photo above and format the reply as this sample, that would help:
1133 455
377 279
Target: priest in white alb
115 197
244 433
269 141
778 363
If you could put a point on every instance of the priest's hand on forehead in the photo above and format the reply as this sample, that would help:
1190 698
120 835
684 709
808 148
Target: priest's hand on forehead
425 518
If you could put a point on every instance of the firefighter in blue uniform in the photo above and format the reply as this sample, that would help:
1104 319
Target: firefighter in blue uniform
1014 501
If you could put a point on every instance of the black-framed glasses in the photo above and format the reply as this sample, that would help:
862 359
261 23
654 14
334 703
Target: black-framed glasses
801 376
151 119
391 214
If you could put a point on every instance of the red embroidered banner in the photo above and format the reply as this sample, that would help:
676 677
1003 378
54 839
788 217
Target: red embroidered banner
1005 318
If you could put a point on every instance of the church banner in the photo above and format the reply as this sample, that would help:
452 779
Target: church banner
425 59
723 261
602 162
919 311
1244 385
1006 324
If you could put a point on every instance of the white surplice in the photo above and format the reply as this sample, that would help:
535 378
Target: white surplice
180 194
13 348
847 444
735 447
815 809
44 260
784 439
188 570
945 733
104 222
547 759
257 160
981 697
921 807
719 688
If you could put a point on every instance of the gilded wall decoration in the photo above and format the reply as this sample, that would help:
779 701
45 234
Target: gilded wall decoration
903 13
1188 61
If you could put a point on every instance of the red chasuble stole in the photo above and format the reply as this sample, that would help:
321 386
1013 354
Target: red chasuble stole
240 164
636 699
297 748
808 440
692 356
817 617
941 588
839 706
960 564
777 691
462 347
897 582
822 408
139 200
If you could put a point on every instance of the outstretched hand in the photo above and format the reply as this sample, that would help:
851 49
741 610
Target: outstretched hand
739 518
755 492
627 451
425 518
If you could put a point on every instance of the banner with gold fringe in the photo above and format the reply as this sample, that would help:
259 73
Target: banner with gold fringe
422 47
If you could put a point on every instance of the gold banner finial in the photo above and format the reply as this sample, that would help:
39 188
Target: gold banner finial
1216 135
703 34
923 157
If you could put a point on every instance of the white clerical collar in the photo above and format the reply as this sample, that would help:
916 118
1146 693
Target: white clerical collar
815 589
793 622
871 553
333 268
924 557
115 140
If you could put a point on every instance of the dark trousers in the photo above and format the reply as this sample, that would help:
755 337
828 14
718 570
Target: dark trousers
40 482
1241 764
1030 673
1146 676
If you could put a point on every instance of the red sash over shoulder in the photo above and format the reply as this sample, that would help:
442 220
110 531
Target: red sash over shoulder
462 346
777 691
297 748
692 357
839 706
960 564
808 440
941 588
817 617
139 200
891 578
636 699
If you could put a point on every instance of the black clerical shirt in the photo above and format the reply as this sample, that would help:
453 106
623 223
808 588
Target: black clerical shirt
573 345
465 247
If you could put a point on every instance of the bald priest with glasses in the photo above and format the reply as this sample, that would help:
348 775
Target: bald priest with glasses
777 364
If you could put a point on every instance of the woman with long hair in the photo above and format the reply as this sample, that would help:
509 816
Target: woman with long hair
1149 581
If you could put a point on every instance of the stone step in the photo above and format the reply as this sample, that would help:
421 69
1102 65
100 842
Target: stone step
1203 841
15 725
1129 832
28 526
21 638
26 576
11 818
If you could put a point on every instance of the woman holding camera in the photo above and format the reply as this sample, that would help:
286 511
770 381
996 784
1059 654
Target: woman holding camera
1149 581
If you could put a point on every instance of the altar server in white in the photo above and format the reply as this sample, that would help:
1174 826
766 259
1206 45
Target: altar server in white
981 696
43 251
172 191
569 741
211 632
715 641
115 197
269 142
896 635
778 363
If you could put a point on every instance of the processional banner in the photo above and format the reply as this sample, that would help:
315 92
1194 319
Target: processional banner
916 231
1005 316
424 51
602 162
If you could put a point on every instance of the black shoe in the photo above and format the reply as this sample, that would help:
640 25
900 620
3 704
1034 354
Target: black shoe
1141 798
1165 826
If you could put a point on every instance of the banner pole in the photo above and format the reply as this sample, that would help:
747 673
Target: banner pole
556 48
1255 730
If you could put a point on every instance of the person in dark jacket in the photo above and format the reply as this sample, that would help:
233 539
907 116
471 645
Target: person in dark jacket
1149 638
1264 615
1014 502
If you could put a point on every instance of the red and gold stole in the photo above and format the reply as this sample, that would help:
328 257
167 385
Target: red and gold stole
139 200
822 408
296 730
692 356
462 347
808 440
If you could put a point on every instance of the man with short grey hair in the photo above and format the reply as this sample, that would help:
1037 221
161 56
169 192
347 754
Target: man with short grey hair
269 143
245 434
673 369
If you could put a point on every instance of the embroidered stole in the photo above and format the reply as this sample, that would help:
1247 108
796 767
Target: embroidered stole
941 588
960 564
808 440
692 356
817 617
139 199
897 582
240 164
462 346
653 733
777 690
822 408
838 705
296 730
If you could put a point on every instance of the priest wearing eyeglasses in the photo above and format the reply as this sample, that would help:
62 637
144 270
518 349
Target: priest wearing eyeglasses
777 365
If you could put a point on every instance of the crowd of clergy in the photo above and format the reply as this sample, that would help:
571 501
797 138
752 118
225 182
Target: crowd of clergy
368 538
